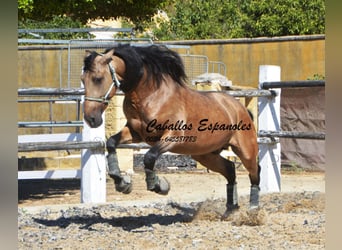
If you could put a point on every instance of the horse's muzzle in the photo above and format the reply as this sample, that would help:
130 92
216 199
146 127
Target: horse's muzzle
93 121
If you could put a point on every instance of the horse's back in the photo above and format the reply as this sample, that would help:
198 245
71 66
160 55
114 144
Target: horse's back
223 105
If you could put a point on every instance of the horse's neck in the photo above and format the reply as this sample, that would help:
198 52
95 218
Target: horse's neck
141 93
148 94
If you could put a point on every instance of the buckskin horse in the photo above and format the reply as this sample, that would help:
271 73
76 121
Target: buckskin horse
164 112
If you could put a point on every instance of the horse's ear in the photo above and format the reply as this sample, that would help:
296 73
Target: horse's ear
87 52
110 52
108 56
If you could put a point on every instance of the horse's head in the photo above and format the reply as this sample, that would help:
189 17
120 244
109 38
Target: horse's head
100 83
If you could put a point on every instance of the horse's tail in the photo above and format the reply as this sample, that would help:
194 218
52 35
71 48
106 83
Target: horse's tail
250 114
259 168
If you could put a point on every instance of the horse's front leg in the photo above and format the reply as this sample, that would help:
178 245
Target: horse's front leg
155 183
122 183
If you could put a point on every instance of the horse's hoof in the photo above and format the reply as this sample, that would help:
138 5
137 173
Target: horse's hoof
254 197
253 207
162 186
229 211
254 204
125 186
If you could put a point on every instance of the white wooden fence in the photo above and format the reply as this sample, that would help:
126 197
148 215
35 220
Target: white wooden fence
92 140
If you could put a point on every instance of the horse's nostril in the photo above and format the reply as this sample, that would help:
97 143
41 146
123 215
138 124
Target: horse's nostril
92 121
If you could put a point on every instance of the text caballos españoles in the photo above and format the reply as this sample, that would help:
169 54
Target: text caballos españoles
202 126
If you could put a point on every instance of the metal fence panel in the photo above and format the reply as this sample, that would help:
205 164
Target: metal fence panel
195 65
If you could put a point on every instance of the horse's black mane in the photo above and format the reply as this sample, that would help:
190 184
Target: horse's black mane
134 67
158 61
88 61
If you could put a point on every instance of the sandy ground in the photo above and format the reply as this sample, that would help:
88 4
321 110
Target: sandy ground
189 217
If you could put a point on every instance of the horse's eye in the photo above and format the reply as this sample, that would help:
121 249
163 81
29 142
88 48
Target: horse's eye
97 80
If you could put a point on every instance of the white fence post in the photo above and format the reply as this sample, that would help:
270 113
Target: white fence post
269 120
93 180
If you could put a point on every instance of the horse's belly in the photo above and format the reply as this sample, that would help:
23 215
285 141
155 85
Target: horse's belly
197 145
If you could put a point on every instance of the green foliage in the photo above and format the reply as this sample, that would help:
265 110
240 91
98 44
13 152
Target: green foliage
25 6
198 19
83 10
284 17
76 13
188 19
316 77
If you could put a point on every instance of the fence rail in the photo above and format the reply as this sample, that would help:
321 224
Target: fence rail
74 30
73 145
50 124
80 91
70 145
293 84
50 91
292 134
52 100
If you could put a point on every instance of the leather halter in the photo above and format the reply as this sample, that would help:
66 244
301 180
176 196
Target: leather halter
105 99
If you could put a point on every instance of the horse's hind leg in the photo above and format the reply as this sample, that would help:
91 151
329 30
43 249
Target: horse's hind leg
154 183
249 160
122 183
217 163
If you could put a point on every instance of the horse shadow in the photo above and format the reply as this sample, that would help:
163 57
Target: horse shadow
127 223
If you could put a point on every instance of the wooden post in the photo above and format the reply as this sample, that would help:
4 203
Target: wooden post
269 120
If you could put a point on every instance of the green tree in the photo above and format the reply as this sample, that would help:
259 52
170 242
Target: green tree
188 19
198 19
83 10
283 17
